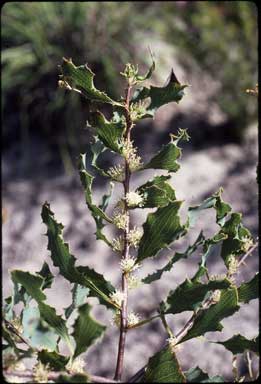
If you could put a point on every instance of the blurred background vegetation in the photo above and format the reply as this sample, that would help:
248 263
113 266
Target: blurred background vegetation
214 39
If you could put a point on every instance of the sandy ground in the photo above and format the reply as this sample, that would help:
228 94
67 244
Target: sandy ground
202 173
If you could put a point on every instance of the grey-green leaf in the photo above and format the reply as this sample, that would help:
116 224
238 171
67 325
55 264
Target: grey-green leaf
160 230
55 361
196 375
86 330
163 367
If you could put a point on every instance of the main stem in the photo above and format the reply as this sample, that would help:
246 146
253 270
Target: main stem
124 281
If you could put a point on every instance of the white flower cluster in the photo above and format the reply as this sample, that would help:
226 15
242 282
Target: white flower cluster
137 110
76 366
40 372
134 199
134 236
117 297
120 219
118 244
117 172
128 265
133 281
232 265
133 319
129 152
116 320
246 243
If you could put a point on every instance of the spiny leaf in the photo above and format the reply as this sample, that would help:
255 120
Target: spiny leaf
189 294
40 334
167 156
47 275
214 201
209 319
236 236
80 79
62 259
177 256
79 294
238 344
55 361
159 96
157 192
250 290
196 375
160 229
109 132
163 367
86 330
96 212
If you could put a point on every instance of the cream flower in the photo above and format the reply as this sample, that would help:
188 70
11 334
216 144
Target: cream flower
134 199
133 319
76 366
120 219
128 265
118 244
117 172
134 236
117 297
133 282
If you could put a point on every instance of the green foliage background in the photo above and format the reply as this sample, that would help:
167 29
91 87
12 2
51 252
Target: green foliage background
217 37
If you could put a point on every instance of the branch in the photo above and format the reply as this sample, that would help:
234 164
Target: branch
124 284
249 252
54 375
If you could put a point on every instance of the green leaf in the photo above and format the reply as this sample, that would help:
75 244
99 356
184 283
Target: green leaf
159 96
109 132
56 361
209 319
140 78
37 331
189 294
79 294
62 259
47 276
196 375
215 201
177 256
238 344
80 79
86 330
32 283
163 367
76 378
157 192
236 235
96 212
250 290
160 229
167 156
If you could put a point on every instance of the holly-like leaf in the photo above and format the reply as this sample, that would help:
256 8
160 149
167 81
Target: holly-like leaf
109 132
167 156
62 259
35 329
96 212
47 275
86 330
160 229
55 361
215 201
79 294
238 344
237 235
157 192
209 319
188 295
196 375
163 367
80 79
177 256
159 96
250 290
